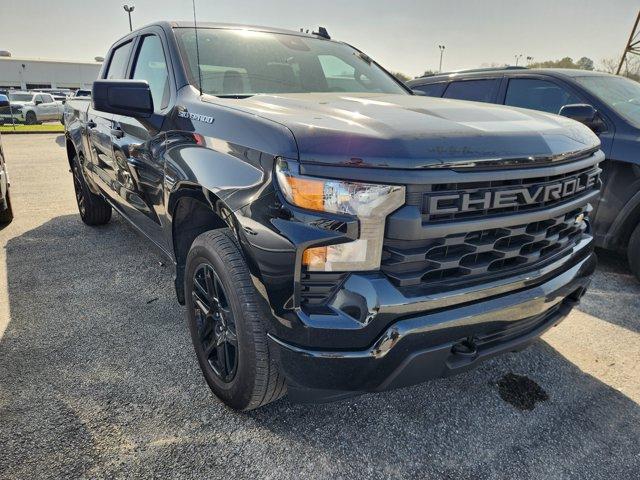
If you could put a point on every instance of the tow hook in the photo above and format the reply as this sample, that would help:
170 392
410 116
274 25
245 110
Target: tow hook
465 348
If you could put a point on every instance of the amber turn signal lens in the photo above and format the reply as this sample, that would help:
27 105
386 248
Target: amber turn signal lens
307 193
314 257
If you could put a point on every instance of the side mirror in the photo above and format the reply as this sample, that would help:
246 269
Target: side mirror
4 101
420 93
131 98
582 113
38 102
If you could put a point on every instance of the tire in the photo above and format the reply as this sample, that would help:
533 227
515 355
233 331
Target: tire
94 210
633 252
6 216
30 118
214 262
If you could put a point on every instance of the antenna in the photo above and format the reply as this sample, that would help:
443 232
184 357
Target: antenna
195 27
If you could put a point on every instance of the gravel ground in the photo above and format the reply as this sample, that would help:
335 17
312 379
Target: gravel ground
98 378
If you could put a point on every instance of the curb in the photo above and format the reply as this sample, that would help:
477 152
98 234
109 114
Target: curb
11 132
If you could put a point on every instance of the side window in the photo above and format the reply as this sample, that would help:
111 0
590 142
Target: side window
38 99
46 98
481 90
431 89
538 95
119 59
152 67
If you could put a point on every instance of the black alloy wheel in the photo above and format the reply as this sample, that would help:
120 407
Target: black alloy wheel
215 323
79 189
30 118
94 210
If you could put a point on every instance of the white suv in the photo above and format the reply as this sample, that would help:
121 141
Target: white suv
31 108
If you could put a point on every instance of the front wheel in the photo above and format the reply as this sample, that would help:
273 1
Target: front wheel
633 252
227 326
30 118
94 210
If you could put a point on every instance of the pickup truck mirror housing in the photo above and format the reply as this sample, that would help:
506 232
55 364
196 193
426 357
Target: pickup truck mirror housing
4 101
583 113
131 98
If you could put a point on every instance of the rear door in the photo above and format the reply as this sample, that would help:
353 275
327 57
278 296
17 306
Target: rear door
138 147
100 124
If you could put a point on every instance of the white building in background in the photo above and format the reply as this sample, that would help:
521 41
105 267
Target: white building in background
36 73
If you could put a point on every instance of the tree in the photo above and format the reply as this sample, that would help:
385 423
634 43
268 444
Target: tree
429 73
401 76
630 68
585 63
609 65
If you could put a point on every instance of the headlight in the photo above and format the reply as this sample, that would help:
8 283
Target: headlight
371 203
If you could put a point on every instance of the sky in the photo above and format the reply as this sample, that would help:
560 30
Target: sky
402 35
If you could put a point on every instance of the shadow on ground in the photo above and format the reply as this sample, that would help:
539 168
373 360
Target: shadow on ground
614 295
99 380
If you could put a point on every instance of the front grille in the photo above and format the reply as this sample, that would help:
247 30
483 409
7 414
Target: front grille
477 254
419 195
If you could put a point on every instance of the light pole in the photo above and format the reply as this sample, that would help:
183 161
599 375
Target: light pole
129 9
529 60
518 57
441 47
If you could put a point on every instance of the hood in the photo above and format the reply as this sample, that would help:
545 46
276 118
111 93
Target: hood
410 131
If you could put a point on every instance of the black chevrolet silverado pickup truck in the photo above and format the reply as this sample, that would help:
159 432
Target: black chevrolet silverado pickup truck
332 233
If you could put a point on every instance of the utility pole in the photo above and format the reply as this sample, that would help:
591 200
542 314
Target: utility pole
633 44
441 47
518 57
129 9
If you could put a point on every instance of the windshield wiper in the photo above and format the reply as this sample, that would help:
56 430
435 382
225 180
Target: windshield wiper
236 95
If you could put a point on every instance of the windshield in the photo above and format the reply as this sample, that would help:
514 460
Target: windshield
20 97
243 62
620 93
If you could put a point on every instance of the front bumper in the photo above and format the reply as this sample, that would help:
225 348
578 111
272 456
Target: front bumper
9 118
441 342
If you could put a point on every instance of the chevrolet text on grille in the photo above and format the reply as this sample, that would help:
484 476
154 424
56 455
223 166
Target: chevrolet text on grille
512 197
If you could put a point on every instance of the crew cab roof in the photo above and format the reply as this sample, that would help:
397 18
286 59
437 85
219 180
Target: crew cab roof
235 26
167 25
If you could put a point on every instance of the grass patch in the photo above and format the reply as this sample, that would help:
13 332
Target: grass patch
44 128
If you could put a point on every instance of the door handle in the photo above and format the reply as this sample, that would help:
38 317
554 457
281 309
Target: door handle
91 124
117 132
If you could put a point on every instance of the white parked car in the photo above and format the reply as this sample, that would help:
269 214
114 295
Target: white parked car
32 108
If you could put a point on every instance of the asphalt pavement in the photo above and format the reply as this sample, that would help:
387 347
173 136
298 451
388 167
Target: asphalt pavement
98 378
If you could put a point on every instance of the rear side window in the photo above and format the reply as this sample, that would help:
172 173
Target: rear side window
47 98
431 89
538 95
482 90
152 67
119 61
